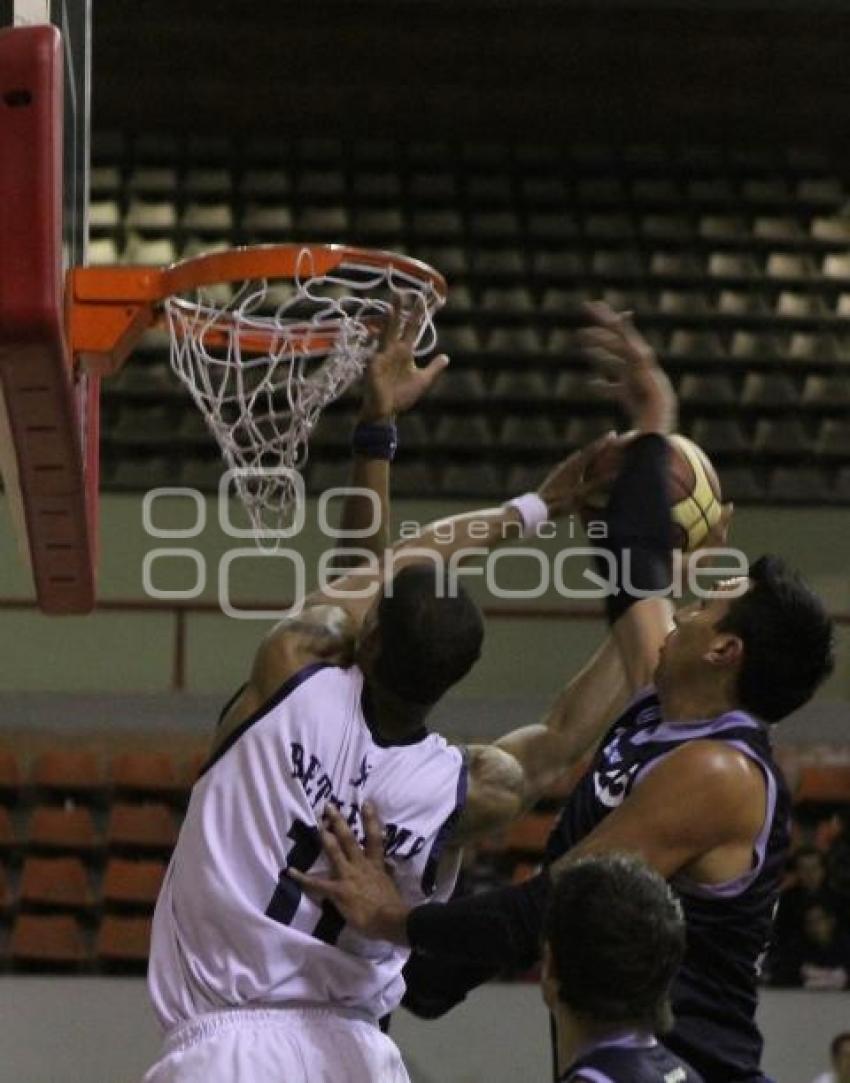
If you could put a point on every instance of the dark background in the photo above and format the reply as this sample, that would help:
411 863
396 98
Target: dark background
731 72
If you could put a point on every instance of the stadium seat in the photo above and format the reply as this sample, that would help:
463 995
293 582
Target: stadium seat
798 485
152 181
836 265
208 183
683 302
149 828
145 774
563 263
494 225
414 432
8 839
104 216
773 228
158 252
609 225
581 430
648 191
123 943
823 784
711 190
601 189
493 189
69 773
132 884
687 343
102 251
413 479
322 223
62 829
668 226
732 265
271 220
55 883
826 392
314 184
507 300
470 431
472 480
379 222
769 390
617 261
52 942
448 259
498 261
518 385
207 218
461 385
516 341
750 344
10 777
562 301
539 192
437 223
741 484
552 226
737 302
790 265
265 184
792 303
833 439
723 226
678 264
709 390
820 189
719 436
379 185
831 228
432 187
781 436
528 431
147 216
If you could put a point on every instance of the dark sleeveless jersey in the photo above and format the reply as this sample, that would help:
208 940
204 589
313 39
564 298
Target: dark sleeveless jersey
728 925
630 1059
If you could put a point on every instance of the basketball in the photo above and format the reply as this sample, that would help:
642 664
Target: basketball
695 498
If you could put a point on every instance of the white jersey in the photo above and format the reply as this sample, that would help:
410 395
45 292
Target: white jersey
230 928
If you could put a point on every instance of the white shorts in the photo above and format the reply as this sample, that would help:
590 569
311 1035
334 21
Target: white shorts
278 1045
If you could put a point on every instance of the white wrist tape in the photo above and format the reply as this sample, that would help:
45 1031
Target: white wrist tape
532 510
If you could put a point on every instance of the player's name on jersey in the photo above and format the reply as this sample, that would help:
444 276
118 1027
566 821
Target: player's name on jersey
400 842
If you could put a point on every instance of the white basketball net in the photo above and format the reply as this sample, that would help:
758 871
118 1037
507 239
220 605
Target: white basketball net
262 408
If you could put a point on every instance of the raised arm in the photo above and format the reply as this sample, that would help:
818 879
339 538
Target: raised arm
639 536
511 774
393 383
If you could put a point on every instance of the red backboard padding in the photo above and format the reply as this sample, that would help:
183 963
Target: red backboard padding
43 399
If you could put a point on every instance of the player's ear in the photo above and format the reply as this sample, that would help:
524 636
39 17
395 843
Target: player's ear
548 979
725 650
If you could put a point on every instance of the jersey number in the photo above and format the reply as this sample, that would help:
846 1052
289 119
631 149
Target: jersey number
287 896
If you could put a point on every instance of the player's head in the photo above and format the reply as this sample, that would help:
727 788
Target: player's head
819 924
839 1051
421 636
614 937
770 646
810 868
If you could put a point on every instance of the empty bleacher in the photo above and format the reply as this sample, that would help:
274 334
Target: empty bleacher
734 263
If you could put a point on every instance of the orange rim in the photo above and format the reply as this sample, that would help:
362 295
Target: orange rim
109 308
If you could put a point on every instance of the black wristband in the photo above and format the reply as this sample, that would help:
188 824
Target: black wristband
375 441
639 532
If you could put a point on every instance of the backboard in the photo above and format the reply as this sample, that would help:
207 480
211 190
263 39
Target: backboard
48 411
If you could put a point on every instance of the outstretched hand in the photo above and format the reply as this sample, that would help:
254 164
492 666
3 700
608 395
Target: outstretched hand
362 889
394 382
629 372
567 488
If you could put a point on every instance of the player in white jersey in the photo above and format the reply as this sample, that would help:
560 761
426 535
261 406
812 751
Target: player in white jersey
251 979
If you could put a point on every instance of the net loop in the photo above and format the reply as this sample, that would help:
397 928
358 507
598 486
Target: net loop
262 358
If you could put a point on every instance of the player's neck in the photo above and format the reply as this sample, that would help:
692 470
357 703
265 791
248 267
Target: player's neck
576 1036
390 716
691 701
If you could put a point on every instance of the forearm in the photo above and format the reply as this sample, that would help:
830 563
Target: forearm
638 540
577 719
365 518
501 928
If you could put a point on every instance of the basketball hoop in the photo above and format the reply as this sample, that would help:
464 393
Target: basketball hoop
263 338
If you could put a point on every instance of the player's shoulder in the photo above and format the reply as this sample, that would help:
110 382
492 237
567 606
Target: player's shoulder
715 770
